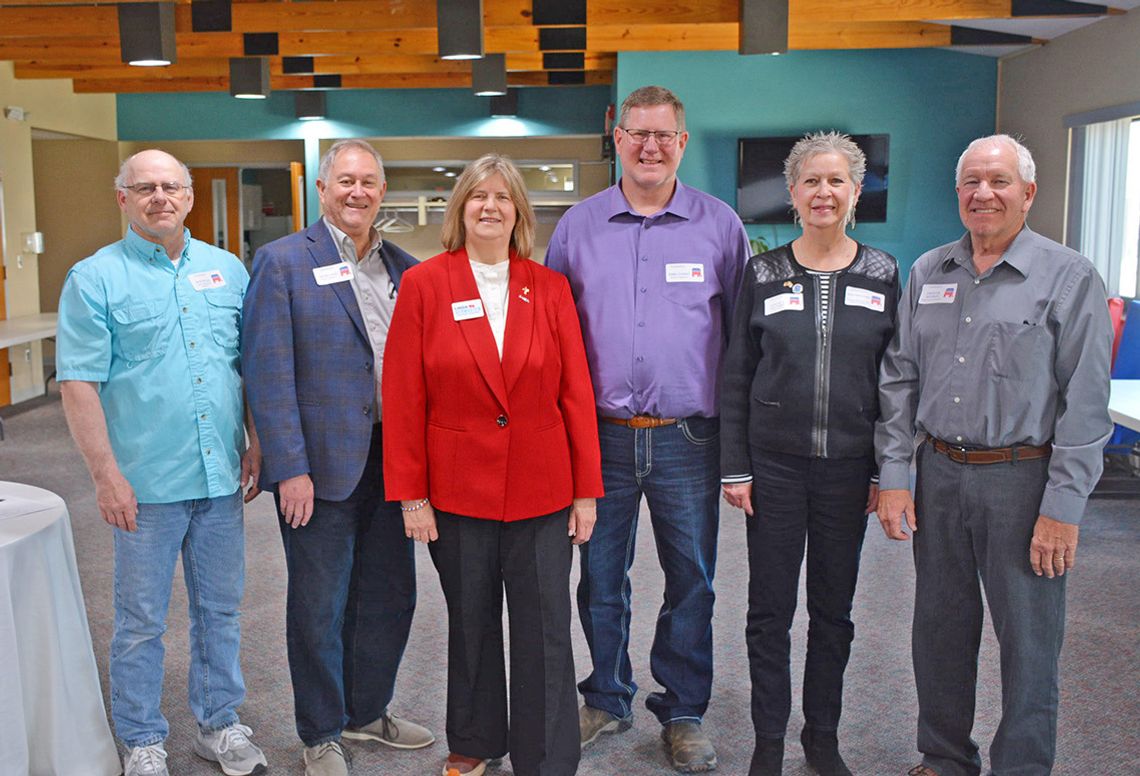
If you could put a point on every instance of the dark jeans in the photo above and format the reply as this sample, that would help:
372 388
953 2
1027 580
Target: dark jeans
531 558
823 500
677 469
352 591
974 527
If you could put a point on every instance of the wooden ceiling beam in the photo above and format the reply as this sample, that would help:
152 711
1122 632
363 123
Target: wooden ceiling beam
340 16
209 68
869 35
803 11
294 82
215 45
801 36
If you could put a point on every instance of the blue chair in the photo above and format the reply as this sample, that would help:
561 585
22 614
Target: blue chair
1127 367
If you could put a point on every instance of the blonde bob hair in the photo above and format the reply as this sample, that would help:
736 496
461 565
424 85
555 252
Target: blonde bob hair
454 233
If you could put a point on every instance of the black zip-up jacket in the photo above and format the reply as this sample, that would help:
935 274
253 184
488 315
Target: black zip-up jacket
792 385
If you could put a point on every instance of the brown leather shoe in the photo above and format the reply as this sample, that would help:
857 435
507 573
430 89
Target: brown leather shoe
690 750
921 770
460 765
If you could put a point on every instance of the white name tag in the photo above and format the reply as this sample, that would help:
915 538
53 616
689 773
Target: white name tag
684 273
465 311
863 297
938 293
781 302
203 280
332 273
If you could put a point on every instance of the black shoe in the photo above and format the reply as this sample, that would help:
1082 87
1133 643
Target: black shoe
768 759
822 752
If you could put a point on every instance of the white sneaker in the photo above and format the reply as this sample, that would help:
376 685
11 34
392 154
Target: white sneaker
231 748
146 761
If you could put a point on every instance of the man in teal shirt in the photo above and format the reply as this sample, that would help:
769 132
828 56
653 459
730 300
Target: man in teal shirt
149 374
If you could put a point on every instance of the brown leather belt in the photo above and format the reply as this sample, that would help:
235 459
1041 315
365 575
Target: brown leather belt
992 454
640 421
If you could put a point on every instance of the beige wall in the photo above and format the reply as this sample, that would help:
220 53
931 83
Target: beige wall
1094 67
70 173
51 105
226 153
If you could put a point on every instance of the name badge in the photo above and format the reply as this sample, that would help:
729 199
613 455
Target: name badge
864 297
465 311
685 273
203 280
332 273
938 293
781 302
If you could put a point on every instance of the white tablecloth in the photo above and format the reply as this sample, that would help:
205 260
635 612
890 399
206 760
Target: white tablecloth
52 719
1124 403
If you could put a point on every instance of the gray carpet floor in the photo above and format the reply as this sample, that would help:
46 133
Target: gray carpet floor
1098 728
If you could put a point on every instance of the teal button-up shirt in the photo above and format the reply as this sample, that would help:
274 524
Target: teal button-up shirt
161 340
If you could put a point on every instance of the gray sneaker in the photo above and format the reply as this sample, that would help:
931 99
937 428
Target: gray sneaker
689 749
393 731
231 748
146 761
327 759
593 723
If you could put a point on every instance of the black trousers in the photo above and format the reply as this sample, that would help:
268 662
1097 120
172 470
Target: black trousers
820 500
476 560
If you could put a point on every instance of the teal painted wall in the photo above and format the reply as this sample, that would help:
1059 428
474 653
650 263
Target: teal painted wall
931 102
361 113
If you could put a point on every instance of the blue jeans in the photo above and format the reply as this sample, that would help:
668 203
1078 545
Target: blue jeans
820 501
352 592
974 527
677 469
210 535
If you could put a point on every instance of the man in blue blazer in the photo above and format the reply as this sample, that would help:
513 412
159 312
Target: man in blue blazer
315 323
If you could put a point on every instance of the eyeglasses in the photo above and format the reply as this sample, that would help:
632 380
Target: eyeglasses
664 137
169 188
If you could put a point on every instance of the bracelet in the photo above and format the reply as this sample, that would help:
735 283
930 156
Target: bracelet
418 505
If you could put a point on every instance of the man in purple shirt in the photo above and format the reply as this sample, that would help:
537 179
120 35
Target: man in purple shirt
655 268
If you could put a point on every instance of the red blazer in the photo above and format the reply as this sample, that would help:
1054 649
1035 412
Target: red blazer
482 438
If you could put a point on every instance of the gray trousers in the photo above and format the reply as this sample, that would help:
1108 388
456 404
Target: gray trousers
974 527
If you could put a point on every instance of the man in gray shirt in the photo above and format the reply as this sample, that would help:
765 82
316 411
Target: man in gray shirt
1000 365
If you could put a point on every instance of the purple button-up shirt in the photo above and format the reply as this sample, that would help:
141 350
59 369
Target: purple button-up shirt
655 297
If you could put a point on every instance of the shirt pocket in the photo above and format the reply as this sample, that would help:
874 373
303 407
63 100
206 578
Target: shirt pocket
139 330
225 318
685 289
1019 351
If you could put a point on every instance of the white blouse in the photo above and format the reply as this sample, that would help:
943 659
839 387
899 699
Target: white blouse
493 282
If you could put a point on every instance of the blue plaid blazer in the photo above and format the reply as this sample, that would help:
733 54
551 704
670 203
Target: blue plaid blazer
308 364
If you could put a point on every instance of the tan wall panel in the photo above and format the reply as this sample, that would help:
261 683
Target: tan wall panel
70 173
51 105
1090 68
227 153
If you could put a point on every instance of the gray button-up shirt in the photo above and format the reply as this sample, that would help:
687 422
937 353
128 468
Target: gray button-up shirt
374 291
1018 355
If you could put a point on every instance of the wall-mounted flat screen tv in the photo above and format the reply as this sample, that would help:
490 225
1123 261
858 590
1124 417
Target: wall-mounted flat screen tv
762 194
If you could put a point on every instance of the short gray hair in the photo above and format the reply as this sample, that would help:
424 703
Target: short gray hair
125 169
1026 167
343 145
832 142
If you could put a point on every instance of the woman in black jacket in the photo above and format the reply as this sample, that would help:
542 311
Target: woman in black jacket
798 410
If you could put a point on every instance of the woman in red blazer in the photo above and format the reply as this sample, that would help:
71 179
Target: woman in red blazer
491 446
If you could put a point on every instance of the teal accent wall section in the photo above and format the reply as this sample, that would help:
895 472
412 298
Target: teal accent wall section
931 102
361 113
